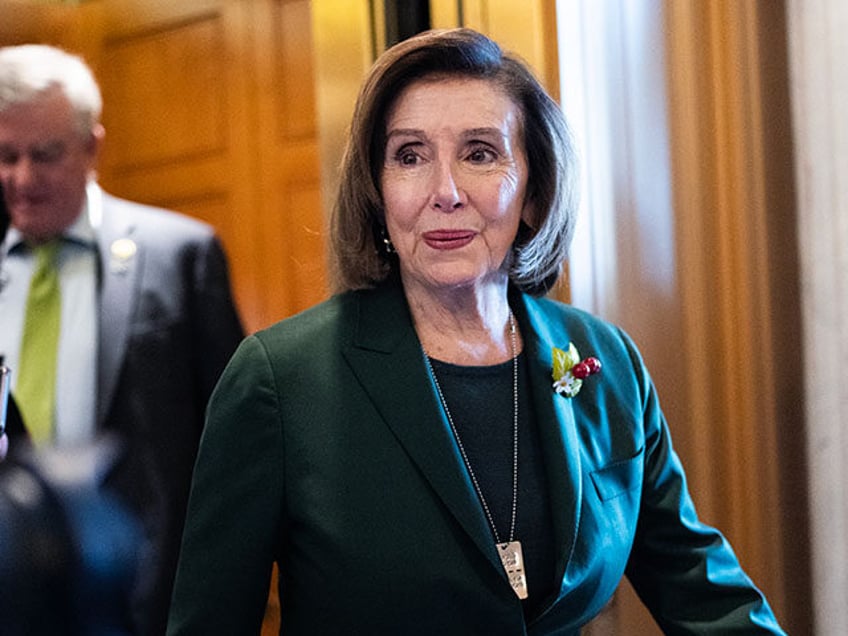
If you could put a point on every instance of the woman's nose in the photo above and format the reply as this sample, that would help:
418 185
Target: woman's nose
447 195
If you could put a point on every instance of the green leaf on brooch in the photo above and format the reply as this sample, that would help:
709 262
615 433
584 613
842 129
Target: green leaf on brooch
564 381
564 360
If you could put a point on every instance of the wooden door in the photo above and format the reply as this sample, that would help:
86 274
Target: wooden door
209 109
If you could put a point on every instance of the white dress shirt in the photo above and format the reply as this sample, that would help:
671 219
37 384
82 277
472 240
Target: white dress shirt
76 377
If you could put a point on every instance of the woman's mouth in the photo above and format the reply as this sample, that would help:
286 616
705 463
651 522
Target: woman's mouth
448 239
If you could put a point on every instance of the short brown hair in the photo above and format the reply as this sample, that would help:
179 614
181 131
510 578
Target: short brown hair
540 249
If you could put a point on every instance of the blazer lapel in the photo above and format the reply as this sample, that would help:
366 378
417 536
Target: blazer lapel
387 359
120 258
557 427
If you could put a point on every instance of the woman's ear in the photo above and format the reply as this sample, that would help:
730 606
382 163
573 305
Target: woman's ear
527 226
528 216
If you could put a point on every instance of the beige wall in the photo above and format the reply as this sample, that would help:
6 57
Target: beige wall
818 53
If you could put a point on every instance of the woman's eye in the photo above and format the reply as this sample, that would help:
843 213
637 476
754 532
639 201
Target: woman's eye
407 158
406 155
481 155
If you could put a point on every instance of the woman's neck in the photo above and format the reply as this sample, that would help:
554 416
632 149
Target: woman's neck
463 326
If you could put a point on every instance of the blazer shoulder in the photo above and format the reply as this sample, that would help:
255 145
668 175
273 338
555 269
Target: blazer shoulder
328 321
576 322
374 319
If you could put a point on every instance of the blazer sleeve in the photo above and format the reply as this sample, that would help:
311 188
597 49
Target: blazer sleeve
234 511
685 571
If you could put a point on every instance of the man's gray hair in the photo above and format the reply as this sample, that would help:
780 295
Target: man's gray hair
30 71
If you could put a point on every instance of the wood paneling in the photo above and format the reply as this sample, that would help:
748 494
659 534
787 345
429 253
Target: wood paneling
526 28
293 80
166 101
293 221
344 46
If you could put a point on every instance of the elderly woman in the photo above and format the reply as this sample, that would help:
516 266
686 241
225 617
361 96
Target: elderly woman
426 452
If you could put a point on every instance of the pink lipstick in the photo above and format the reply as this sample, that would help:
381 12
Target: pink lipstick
448 239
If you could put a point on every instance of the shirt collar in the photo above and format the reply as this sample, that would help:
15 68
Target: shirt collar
85 228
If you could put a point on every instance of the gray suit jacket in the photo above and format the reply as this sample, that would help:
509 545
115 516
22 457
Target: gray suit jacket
168 325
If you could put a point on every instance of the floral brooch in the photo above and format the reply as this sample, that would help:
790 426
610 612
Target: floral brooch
569 370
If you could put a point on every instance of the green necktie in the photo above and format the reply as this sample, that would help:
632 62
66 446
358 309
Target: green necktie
35 389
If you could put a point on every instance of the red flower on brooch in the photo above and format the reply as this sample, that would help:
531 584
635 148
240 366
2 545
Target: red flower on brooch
569 370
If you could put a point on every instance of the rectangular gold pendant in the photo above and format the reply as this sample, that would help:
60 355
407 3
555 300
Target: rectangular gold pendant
512 559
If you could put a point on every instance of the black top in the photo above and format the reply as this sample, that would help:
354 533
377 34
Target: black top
480 401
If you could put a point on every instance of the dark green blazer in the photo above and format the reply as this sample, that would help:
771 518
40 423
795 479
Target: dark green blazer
326 450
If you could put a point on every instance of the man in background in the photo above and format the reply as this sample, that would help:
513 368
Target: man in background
134 317
11 424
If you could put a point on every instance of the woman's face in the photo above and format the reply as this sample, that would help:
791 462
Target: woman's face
453 182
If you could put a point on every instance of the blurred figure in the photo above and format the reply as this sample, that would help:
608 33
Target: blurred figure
135 317
5 378
69 552
11 425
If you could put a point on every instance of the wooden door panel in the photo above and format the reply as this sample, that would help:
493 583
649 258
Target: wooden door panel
166 101
293 225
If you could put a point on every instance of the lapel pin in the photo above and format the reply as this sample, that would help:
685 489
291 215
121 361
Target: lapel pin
122 252
569 370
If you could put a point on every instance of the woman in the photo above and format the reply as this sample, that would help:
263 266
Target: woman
425 453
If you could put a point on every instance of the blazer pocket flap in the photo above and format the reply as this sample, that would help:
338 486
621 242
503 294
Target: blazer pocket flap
619 477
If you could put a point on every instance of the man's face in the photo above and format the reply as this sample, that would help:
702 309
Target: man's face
45 161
